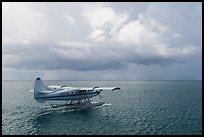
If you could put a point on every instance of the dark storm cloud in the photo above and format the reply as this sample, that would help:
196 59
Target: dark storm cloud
39 56
52 56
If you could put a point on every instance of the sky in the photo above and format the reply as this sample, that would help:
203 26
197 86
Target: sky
102 41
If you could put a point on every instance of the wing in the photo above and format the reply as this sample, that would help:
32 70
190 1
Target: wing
106 88
54 87
43 92
85 88
46 91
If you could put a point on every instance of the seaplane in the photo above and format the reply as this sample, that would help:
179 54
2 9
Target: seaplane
75 97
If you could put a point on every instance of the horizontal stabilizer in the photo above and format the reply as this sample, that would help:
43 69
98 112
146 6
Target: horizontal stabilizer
45 92
53 87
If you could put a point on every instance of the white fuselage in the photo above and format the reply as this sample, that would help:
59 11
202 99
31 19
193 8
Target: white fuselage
68 94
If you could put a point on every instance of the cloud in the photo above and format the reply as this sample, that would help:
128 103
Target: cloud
143 30
145 36
177 35
99 37
104 19
20 23
101 16
64 55
69 18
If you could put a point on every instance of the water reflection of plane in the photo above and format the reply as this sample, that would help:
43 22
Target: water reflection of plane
75 97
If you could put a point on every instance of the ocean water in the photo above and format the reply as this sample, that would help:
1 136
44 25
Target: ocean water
139 108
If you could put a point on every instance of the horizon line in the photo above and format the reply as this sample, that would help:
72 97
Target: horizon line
110 80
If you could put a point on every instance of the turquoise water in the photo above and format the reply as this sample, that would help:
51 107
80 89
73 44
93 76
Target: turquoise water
139 108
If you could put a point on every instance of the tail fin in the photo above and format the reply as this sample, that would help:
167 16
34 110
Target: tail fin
39 86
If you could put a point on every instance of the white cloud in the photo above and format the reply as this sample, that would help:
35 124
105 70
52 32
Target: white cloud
104 20
109 25
177 35
102 16
99 17
173 52
20 22
25 41
146 36
98 35
141 31
69 18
